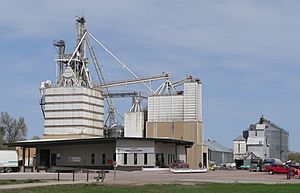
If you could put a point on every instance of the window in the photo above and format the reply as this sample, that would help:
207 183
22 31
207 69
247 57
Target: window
103 159
135 158
145 158
169 158
125 158
239 148
114 157
156 157
92 158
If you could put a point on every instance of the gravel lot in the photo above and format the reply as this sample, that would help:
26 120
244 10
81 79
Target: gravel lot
161 177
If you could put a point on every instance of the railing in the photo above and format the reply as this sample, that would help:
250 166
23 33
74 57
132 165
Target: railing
100 174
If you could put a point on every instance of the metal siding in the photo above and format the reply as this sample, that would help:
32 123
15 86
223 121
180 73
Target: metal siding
73 110
192 101
165 108
278 141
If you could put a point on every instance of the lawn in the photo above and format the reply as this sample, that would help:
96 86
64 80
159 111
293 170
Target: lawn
171 188
12 181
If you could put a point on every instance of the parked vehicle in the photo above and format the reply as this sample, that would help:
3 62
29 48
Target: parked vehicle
8 161
255 168
279 168
212 166
270 162
179 164
244 167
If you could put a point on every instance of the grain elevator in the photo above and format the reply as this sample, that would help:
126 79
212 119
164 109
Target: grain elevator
178 115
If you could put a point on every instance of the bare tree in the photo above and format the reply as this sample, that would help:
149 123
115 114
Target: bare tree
12 130
35 137
1 133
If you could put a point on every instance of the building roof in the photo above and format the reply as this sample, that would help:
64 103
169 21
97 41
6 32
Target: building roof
239 138
252 156
270 125
214 146
92 140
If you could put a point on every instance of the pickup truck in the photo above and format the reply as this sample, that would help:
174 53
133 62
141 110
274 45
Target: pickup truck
280 169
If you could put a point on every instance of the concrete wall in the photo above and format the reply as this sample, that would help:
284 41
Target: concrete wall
195 156
183 130
80 155
170 152
131 147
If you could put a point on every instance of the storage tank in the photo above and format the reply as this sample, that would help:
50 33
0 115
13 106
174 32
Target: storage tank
134 124
73 111
115 131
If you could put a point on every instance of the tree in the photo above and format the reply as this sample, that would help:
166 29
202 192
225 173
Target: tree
294 156
35 137
11 129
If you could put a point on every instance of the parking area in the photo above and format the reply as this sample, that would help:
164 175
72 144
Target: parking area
161 177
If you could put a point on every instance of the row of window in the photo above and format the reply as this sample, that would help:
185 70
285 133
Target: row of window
135 159
171 158
103 160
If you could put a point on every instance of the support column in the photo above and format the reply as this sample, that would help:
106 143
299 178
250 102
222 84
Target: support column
28 157
23 158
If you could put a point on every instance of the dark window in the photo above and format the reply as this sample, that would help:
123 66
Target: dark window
114 157
53 159
125 158
145 158
169 158
92 158
204 160
156 157
103 159
135 158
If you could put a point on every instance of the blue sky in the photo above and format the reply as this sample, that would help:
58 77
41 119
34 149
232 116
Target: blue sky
245 52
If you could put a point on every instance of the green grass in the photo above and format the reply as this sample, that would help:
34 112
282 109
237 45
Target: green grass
170 188
13 181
